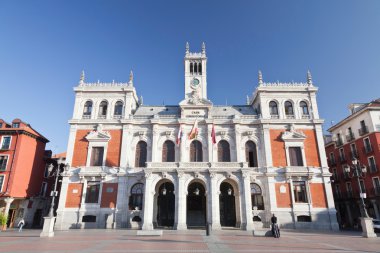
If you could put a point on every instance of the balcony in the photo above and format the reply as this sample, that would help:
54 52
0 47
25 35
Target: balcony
86 116
305 116
363 130
117 116
101 116
350 137
290 116
354 155
332 163
342 159
367 149
339 143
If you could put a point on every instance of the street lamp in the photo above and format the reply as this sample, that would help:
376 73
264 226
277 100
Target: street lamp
359 171
48 228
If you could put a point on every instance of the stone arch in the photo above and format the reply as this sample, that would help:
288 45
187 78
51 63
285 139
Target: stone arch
234 182
164 200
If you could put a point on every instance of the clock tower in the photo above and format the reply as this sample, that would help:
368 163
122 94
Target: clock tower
195 75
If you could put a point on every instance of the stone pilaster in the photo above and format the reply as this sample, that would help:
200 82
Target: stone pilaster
181 198
148 202
246 201
214 196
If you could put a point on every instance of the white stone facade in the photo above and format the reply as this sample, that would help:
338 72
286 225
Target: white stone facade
229 206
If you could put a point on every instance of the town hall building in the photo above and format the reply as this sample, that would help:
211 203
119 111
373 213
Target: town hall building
184 166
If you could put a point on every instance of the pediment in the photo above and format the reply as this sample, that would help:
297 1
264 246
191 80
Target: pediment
98 136
293 135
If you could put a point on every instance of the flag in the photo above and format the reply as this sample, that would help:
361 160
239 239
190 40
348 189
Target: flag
179 136
194 131
213 135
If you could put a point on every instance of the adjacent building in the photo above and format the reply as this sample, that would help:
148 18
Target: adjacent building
356 137
23 174
140 166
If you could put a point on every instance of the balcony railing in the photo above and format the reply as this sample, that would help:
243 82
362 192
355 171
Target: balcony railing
101 116
305 116
86 116
332 163
274 116
117 116
290 116
350 137
354 155
367 149
342 159
339 142
363 130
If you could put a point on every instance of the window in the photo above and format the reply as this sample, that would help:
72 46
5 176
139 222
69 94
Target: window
136 198
3 162
87 110
251 153
273 109
289 108
295 156
1 182
103 110
339 141
304 108
362 186
43 189
299 189
46 172
337 191
350 135
118 109
332 158
6 143
196 151
363 128
367 145
16 125
376 185
141 154
303 218
349 189
92 194
335 174
372 164
89 218
341 155
97 156
200 68
1 125
224 151
168 152
191 68
257 197
354 152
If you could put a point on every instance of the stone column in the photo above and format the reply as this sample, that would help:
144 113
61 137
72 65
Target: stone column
148 202
246 201
214 197
182 149
121 202
238 145
61 204
375 208
210 146
267 146
181 198
8 201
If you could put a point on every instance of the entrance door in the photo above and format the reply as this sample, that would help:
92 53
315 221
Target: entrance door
196 205
165 205
227 205
11 217
37 219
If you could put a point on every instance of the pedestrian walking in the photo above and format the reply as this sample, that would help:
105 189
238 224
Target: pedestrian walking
275 229
21 223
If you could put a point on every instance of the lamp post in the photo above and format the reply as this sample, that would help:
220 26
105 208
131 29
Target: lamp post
48 228
359 171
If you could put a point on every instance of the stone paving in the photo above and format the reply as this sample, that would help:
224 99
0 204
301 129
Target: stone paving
196 241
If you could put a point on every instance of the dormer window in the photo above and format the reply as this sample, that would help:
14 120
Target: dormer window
16 125
103 110
87 110
273 110
289 112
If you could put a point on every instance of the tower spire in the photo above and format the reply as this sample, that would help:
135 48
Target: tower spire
203 48
131 78
260 78
309 78
187 48
247 101
82 76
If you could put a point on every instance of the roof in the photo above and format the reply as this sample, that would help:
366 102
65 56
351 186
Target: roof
23 126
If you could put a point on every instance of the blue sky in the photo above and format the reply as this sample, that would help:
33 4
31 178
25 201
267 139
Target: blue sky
44 45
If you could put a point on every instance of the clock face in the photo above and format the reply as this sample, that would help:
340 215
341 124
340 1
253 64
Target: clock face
195 82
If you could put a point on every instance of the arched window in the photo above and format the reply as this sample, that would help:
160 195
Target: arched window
118 110
200 68
273 109
304 108
191 68
136 197
196 151
224 151
168 151
257 197
141 154
251 153
195 67
103 110
87 110
289 108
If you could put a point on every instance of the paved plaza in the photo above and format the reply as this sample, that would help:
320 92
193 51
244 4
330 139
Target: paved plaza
184 241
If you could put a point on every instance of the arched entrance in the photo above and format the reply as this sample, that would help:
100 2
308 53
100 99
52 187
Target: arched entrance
196 205
165 205
227 205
